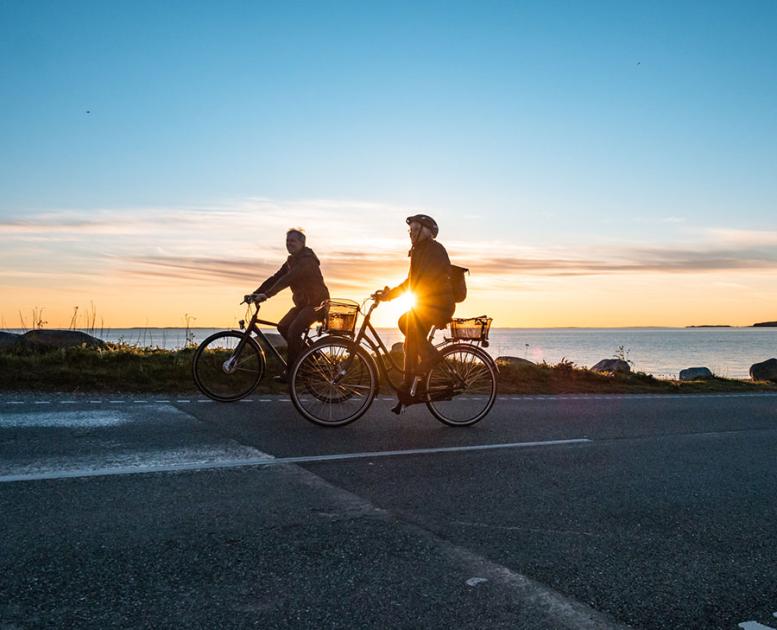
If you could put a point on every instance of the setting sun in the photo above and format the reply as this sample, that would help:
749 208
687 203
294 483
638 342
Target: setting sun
389 312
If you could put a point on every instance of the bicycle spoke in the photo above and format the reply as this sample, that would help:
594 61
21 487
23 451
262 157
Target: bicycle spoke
332 385
462 386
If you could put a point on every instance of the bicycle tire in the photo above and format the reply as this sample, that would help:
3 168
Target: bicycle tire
461 388
324 395
208 366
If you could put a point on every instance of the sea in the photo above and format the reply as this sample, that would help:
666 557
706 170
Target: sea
662 352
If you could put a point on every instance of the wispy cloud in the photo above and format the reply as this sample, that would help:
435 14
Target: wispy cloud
359 243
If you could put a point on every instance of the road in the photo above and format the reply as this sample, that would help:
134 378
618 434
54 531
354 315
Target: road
553 512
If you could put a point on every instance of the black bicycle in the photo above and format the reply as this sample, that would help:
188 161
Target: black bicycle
335 380
228 365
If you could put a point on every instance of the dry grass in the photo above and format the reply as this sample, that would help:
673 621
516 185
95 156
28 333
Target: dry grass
125 368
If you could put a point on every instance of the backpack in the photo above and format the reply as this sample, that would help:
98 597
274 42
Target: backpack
459 283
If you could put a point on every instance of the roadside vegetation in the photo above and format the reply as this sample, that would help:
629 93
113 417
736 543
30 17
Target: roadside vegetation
567 378
124 368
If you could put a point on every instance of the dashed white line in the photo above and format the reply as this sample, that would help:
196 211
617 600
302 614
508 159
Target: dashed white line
519 398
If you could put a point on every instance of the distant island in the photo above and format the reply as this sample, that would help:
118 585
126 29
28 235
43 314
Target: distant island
712 326
765 325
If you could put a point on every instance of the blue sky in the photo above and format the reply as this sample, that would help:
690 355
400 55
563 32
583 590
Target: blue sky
541 125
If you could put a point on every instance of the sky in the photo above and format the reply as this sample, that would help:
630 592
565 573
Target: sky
593 163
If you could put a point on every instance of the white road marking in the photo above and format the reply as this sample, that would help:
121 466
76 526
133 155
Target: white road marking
66 419
519 398
754 625
268 460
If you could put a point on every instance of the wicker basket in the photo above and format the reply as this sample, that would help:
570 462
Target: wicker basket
340 317
471 329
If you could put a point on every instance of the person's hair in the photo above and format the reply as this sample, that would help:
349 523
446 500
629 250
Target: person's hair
298 232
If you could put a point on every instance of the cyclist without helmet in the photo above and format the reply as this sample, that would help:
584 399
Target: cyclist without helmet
429 281
302 273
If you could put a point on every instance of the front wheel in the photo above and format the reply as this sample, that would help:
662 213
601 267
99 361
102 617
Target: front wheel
461 387
228 366
333 382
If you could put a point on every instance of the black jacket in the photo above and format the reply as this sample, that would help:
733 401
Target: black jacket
302 273
429 280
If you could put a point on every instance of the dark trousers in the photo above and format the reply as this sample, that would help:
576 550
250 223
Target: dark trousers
293 326
415 326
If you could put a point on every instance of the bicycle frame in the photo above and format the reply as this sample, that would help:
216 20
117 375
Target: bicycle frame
375 343
254 328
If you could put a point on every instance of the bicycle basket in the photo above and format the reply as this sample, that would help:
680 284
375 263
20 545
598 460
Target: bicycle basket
340 317
471 329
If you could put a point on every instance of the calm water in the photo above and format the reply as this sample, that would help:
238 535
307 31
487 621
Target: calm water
659 351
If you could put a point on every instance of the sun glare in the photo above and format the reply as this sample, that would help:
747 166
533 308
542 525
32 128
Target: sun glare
389 312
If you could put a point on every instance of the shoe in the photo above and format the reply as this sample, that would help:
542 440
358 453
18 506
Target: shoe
281 378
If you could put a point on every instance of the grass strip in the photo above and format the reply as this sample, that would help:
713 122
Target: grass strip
125 369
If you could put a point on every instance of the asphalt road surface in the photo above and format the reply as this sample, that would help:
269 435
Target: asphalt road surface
553 512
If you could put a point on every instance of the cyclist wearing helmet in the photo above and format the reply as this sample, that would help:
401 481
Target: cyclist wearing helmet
301 272
429 280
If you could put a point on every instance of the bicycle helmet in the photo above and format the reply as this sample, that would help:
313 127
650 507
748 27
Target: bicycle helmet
426 221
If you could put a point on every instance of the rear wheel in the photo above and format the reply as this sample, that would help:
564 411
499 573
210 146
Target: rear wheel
461 387
228 366
333 382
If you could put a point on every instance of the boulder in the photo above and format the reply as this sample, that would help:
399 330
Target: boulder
695 374
47 339
613 366
9 340
515 362
764 371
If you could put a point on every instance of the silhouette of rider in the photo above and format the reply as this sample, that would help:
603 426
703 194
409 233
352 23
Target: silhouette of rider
429 281
302 273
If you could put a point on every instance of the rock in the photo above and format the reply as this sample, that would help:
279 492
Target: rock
612 365
60 339
398 347
9 340
515 362
695 374
764 371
